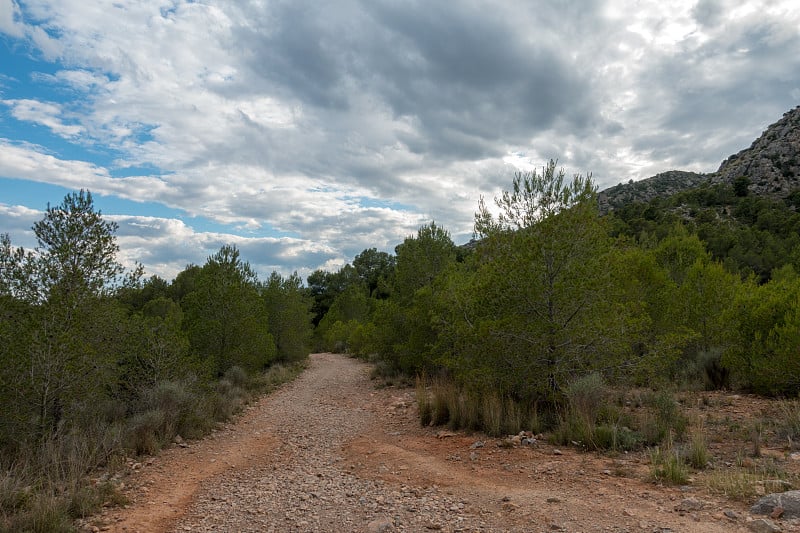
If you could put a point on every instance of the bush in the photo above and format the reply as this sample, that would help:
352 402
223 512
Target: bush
663 420
591 419
237 376
666 466
788 421
586 396
697 454
145 432
443 391
44 514
615 437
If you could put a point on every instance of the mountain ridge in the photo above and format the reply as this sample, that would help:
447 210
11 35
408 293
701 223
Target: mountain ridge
771 165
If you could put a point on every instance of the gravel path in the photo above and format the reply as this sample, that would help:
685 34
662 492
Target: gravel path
329 452
306 484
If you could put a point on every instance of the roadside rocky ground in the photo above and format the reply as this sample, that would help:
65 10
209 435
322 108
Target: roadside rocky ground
331 452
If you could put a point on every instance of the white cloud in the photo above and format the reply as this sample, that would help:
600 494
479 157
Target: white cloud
350 124
9 19
44 113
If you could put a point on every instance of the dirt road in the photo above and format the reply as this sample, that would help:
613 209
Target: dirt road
331 452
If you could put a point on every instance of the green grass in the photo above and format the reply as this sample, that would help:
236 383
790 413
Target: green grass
667 466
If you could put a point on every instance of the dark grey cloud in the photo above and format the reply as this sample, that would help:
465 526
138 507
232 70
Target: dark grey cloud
708 12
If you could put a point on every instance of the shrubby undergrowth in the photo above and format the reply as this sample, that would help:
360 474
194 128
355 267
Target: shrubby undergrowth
553 305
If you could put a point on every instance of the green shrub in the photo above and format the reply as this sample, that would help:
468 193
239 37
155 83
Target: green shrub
44 514
663 419
615 437
586 396
591 419
237 376
697 454
666 466
788 420
145 432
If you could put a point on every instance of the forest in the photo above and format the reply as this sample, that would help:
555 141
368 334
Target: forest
100 364
523 328
552 304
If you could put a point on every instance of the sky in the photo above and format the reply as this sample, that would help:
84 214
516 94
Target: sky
305 132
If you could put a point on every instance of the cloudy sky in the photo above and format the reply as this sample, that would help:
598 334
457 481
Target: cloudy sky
304 132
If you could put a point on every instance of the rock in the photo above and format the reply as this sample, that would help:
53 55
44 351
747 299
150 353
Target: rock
770 163
556 451
733 515
553 499
788 501
762 525
477 444
177 439
380 525
689 504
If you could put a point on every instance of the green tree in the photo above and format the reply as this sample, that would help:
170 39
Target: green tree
375 269
708 291
420 259
540 283
646 295
155 348
351 307
226 317
740 186
404 332
325 286
61 358
679 251
763 354
289 308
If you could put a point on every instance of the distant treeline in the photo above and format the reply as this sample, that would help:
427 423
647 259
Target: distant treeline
700 289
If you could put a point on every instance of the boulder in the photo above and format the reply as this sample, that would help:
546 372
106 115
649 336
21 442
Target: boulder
788 501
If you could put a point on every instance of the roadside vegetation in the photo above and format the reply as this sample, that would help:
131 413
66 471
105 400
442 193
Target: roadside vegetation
99 364
586 328
554 322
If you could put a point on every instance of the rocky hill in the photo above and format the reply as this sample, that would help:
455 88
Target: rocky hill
664 184
771 164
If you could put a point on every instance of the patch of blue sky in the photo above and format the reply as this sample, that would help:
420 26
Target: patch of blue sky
20 131
381 203
22 74
36 195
